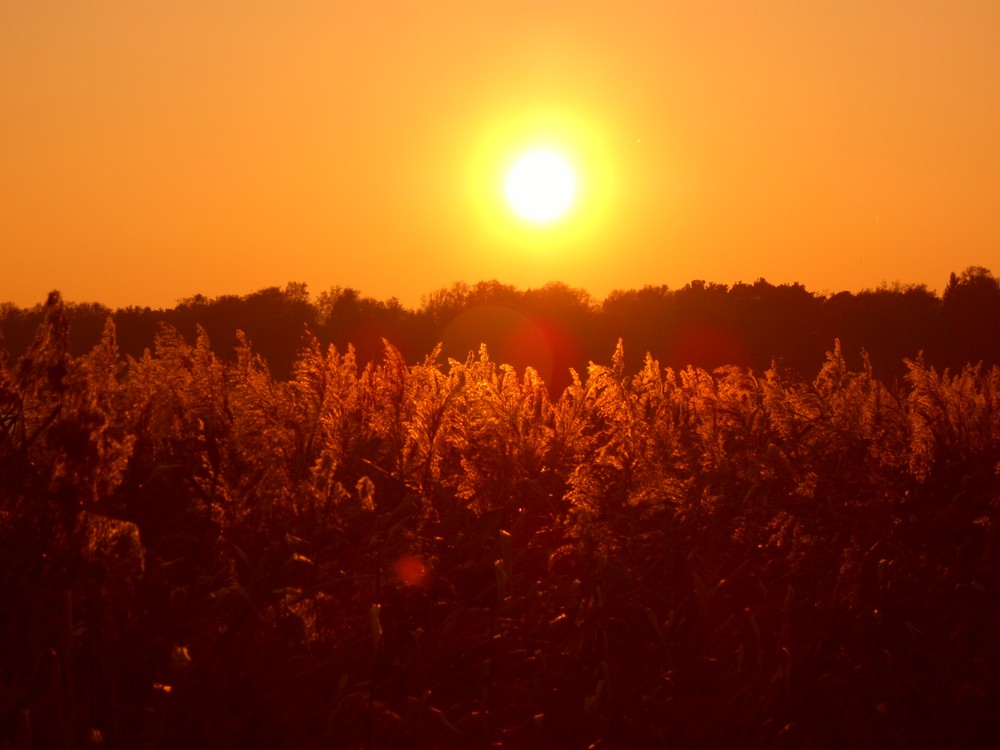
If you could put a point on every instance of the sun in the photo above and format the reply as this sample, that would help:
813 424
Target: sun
540 186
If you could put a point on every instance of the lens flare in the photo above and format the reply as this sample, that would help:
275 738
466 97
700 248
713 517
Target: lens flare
410 570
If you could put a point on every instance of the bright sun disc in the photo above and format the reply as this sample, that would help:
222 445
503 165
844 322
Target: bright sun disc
540 186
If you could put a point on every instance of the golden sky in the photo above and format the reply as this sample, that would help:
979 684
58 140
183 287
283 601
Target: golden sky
157 149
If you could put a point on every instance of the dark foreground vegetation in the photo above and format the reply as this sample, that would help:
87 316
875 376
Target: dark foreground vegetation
194 553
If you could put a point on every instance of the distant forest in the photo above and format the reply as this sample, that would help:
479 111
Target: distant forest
557 327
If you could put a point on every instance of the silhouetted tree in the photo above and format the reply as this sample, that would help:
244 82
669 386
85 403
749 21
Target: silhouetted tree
346 318
273 319
890 323
972 316
643 317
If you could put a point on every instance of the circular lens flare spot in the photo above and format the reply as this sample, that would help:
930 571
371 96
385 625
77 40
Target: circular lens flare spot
411 570
540 186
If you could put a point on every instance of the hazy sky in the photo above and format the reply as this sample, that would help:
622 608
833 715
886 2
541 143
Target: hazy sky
154 149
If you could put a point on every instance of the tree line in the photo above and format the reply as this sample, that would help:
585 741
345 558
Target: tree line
558 327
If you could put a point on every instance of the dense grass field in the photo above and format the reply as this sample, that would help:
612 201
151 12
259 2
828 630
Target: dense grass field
446 555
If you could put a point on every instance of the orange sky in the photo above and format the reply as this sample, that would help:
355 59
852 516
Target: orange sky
157 149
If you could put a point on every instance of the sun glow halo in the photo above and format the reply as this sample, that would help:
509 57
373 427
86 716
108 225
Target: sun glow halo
540 186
